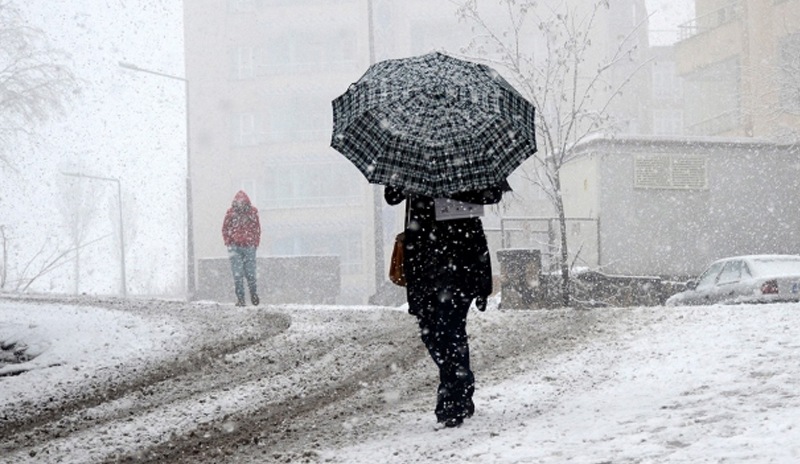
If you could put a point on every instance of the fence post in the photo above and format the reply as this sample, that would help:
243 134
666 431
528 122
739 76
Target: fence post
520 278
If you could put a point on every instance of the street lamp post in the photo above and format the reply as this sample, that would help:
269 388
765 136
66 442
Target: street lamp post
124 280
191 284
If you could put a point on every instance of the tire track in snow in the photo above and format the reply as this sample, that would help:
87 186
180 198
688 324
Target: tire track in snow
366 357
32 424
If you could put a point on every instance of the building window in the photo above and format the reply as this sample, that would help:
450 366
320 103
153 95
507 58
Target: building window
667 122
670 172
311 185
666 83
298 51
302 118
789 72
244 62
711 97
241 6
244 130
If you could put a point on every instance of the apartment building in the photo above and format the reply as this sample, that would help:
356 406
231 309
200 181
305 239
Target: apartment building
739 60
666 100
261 78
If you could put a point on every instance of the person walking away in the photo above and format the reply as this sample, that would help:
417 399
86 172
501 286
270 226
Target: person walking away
447 266
241 232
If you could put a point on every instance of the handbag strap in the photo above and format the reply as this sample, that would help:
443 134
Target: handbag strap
408 214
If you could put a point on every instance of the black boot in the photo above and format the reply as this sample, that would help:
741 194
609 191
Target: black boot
444 406
470 409
454 422
254 299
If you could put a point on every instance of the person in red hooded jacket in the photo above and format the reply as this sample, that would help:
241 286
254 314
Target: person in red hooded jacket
241 231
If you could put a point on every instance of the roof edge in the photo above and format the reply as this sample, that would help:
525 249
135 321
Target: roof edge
680 141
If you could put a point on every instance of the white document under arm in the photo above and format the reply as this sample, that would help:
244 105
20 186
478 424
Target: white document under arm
447 209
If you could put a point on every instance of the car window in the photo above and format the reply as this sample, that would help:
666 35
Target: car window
709 277
746 271
731 272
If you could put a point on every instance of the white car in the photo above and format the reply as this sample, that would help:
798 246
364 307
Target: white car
744 279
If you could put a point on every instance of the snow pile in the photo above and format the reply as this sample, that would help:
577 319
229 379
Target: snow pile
58 342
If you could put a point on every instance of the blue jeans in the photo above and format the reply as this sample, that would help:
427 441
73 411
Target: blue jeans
243 265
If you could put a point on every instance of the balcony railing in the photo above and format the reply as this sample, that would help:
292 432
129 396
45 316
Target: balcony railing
710 20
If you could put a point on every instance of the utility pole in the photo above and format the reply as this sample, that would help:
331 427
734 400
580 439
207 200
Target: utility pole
191 280
377 191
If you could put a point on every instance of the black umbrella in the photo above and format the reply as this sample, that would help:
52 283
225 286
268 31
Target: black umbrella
433 125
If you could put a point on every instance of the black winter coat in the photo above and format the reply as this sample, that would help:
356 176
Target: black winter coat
442 258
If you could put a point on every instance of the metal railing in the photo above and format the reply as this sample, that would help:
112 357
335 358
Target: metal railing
710 20
543 233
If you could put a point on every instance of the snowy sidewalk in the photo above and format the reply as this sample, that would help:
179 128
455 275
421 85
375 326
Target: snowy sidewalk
712 384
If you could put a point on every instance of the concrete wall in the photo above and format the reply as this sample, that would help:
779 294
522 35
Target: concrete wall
749 206
281 279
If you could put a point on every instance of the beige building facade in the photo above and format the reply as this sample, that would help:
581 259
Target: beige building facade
739 60
261 83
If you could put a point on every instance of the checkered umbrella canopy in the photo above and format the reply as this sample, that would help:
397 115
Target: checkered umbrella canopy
433 125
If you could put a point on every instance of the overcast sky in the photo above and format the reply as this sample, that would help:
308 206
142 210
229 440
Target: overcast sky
667 15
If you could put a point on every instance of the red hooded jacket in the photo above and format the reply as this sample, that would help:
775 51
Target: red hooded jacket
241 226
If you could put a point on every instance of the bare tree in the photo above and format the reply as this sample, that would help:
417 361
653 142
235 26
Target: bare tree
34 82
548 50
48 257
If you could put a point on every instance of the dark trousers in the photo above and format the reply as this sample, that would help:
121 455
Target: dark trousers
443 329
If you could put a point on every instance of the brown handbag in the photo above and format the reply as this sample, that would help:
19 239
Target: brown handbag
396 273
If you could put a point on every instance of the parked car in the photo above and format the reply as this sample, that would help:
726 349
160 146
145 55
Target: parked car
744 279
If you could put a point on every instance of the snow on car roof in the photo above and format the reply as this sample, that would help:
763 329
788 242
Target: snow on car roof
769 266
762 258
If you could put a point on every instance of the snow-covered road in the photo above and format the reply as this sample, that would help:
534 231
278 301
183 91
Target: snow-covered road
155 381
